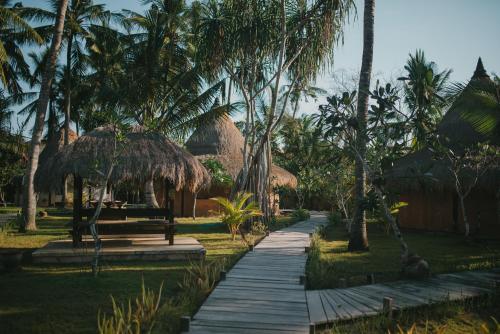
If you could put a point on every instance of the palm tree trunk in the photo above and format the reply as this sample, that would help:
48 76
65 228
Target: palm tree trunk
29 198
67 93
295 108
464 215
67 110
149 194
358 240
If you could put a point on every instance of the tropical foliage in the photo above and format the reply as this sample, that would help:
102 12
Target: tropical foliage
238 211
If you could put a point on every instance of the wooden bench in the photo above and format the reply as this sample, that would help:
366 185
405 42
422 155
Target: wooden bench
125 221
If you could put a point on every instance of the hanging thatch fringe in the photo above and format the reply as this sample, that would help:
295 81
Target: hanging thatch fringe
143 155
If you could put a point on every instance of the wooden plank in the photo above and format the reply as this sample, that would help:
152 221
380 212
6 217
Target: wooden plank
355 308
277 304
247 325
368 302
261 318
337 305
255 309
317 313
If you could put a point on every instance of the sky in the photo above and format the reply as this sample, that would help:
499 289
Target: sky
452 33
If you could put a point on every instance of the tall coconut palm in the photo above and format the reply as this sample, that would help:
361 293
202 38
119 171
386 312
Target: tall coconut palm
358 240
15 33
29 198
163 90
39 61
424 90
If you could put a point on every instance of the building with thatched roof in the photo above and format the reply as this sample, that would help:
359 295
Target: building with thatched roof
106 157
53 145
427 185
223 142
140 157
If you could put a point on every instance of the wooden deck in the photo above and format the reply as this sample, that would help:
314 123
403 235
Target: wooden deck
121 248
329 306
262 293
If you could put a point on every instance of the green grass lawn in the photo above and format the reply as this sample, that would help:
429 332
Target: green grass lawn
444 252
67 298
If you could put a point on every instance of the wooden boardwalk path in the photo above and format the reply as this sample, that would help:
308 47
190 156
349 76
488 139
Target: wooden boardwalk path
329 306
262 292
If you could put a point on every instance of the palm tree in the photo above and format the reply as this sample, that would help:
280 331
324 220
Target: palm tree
163 90
237 211
359 239
29 199
15 32
301 90
424 92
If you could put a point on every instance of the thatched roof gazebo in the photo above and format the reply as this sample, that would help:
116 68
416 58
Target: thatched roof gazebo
140 157
223 141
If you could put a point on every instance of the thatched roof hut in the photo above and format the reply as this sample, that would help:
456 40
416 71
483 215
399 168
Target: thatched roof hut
421 170
224 142
55 144
141 157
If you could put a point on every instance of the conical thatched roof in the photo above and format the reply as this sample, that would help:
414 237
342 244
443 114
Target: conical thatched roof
420 169
143 155
223 141
453 126
55 144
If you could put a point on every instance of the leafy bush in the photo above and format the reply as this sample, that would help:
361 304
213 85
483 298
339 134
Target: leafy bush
258 228
132 319
237 212
201 278
301 214
334 218
316 271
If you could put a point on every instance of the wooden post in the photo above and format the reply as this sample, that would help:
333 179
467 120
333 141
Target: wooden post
182 202
185 320
77 208
370 279
302 279
306 249
342 283
169 213
387 306
222 275
312 328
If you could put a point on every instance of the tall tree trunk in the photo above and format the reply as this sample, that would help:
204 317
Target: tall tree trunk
464 215
358 240
195 198
67 92
149 194
295 108
29 198
67 110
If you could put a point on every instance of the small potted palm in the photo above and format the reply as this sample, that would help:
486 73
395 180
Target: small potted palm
238 211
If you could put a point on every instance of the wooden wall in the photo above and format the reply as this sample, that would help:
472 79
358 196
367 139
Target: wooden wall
440 211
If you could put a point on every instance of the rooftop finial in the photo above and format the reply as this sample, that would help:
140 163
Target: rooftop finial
480 72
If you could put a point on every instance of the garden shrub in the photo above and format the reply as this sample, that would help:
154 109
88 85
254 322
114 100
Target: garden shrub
334 218
135 318
301 214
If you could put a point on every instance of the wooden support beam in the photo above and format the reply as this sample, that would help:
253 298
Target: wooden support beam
342 283
185 321
387 306
77 208
302 280
223 275
312 328
370 279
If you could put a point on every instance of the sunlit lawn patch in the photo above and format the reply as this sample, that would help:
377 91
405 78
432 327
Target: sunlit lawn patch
66 298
